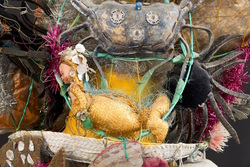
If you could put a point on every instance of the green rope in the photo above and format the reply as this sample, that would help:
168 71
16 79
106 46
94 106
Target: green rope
26 105
27 128
183 48
60 83
60 14
125 146
52 1
221 55
99 133
176 60
166 1
181 84
192 37
67 101
12 118
76 20
195 150
105 55
43 67
143 134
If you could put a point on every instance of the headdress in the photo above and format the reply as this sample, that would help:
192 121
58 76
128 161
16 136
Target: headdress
77 60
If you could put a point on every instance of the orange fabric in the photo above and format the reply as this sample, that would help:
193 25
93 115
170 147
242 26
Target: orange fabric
21 84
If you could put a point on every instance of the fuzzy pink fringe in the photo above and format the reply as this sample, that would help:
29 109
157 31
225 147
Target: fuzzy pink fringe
218 138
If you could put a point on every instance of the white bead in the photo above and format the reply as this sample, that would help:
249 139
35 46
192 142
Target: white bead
30 160
23 158
31 146
10 155
9 163
80 48
72 73
20 146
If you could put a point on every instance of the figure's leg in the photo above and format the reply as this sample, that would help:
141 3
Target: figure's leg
158 126
223 60
226 67
86 39
230 92
72 30
217 44
222 119
185 63
175 136
191 125
198 135
223 104
210 35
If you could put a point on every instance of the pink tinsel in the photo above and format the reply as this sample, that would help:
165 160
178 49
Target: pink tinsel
212 120
232 79
42 164
54 47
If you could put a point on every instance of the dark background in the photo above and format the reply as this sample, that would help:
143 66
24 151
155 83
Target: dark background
235 155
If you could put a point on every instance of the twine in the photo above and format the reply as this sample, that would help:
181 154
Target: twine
245 34
217 18
179 94
76 19
60 14
26 105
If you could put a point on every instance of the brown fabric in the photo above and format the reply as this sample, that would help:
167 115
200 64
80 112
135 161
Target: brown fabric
59 159
21 84
13 146
233 19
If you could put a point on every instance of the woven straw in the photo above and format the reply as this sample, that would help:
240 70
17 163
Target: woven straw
84 149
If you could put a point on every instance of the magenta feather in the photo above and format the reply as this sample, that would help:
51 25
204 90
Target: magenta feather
54 47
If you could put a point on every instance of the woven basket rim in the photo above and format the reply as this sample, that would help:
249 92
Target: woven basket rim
83 149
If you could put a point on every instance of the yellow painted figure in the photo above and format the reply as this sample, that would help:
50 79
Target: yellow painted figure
116 115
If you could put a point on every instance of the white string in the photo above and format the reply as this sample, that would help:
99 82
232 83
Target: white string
13 7
33 10
180 155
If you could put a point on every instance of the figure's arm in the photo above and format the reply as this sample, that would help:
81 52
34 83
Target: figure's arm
72 96
79 98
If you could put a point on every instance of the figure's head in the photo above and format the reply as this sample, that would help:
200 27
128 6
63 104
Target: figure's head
66 73
68 70
73 64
